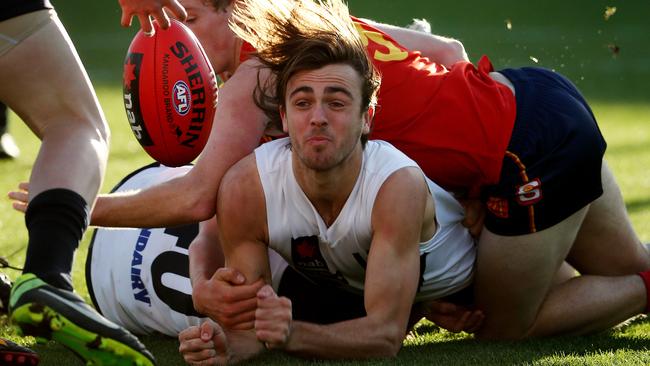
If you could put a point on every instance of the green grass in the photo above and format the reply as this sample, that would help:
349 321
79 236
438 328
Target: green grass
571 37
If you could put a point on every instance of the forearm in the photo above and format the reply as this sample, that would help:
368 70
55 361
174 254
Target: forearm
205 258
358 338
443 50
166 204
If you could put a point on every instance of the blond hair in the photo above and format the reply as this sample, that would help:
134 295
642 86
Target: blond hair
297 35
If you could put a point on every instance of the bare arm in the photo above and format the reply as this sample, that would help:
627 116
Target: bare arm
219 292
392 271
439 49
241 219
391 280
205 253
237 129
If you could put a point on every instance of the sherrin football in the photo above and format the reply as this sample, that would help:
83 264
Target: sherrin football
170 93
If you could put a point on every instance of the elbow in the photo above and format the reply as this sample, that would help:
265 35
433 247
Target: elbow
388 349
458 51
454 52
387 336
389 344
201 209
393 346
199 202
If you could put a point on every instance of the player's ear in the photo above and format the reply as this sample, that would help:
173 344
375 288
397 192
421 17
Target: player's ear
283 116
367 120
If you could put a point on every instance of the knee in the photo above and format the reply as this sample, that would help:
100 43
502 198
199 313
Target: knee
95 131
94 127
641 263
94 122
103 134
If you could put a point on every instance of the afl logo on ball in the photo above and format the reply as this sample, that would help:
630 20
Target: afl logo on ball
182 102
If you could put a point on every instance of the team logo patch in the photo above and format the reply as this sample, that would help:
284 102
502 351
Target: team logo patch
529 193
498 207
306 254
182 101
308 260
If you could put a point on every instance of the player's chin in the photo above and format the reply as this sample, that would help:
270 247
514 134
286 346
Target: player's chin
320 163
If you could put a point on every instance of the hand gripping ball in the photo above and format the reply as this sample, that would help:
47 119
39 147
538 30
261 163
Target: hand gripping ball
170 94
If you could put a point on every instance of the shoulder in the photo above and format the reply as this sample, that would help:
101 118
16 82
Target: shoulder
405 187
240 187
406 181
243 170
403 205
405 190
245 78
251 69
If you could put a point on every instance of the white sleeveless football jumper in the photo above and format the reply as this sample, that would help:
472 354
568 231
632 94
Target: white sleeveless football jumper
337 255
139 278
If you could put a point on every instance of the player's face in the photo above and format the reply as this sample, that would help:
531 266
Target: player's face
211 28
323 116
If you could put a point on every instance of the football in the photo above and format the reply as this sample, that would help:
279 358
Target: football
170 93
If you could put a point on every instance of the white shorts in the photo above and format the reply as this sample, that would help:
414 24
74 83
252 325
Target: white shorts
139 278
15 30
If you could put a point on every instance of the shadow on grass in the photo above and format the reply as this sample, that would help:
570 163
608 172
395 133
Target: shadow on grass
566 350
628 344
436 347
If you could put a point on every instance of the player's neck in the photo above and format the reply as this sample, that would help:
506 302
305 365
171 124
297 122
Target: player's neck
236 60
329 190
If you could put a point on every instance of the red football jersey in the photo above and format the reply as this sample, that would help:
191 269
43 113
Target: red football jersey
455 123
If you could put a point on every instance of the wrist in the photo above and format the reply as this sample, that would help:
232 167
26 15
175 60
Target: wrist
96 212
291 343
198 290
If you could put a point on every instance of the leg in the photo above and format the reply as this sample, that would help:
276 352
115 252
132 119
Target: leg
519 269
53 95
514 274
62 109
58 103
607 244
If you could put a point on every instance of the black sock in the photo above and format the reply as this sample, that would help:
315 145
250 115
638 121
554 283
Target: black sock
56 220
3 118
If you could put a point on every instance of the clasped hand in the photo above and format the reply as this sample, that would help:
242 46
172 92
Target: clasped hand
245 324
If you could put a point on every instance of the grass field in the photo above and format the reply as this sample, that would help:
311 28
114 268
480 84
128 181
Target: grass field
573 38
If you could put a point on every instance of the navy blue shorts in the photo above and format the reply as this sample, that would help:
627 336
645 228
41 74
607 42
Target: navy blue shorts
552 166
